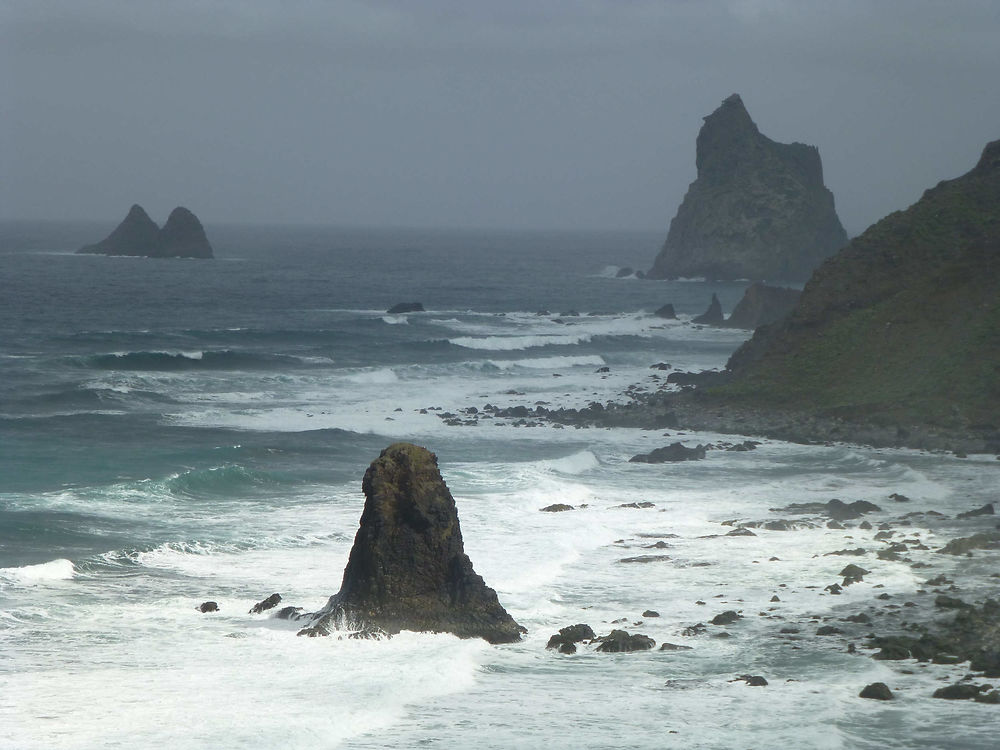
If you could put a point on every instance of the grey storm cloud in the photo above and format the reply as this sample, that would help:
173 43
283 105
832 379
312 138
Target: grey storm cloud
471 113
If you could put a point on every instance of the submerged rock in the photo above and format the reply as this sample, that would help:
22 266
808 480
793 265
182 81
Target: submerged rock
758 209
672 452
877 691
408 569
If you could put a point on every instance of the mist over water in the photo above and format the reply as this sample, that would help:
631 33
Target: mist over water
173 432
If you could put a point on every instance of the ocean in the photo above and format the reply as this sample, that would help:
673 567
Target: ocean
173 432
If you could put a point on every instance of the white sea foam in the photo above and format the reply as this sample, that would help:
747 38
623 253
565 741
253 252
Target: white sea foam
395 320
548 363
54 570
514 343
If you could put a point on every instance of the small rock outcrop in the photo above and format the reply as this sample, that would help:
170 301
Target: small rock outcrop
621 641
181 237
757 210
876 691
713 315
408 569
666 311
265 604
761 305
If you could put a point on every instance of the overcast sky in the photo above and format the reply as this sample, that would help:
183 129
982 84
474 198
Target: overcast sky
468 113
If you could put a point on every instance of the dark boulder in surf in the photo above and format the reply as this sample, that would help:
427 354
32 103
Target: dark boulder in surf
621 641
672 452
206 607
262 606
408 569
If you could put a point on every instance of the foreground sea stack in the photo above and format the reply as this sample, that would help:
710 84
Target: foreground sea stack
408 569
758 209
900 330
182 236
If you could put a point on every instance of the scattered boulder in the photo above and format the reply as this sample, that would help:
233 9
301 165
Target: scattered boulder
963 545
262 606
713 315
726 618
960 692
408 569
620 641
741 532
986 510
567 638
672 452
405 307
896 497
753 680
208 607
876 691
853 574
673 647
556 508
650 613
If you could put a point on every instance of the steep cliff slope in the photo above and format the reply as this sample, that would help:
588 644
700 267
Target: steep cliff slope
900 327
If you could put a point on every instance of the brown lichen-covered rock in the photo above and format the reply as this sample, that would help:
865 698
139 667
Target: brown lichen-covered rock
758 209
408 569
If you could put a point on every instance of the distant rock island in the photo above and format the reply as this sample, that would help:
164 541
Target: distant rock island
181 237
758 209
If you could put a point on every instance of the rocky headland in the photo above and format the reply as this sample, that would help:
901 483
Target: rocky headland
183 236
757 210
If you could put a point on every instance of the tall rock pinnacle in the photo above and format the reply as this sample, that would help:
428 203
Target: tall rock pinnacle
408 569
758 209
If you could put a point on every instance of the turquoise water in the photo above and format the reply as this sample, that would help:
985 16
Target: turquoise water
179 431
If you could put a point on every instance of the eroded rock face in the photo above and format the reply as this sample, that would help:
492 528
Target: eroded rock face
408 569
181 237
758 209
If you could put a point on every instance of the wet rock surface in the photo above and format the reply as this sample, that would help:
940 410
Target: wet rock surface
408 569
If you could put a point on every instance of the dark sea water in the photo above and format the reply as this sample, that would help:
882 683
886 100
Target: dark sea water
179 431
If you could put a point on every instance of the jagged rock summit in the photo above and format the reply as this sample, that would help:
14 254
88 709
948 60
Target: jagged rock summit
758 209
181 237
408 569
